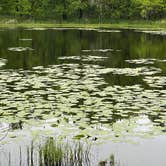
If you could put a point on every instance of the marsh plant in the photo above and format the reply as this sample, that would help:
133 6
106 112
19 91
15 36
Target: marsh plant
56 153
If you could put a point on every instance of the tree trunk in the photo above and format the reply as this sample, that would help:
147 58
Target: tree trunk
80 14
64 15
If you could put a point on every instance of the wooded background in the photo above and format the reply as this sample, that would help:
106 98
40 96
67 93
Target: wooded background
83 9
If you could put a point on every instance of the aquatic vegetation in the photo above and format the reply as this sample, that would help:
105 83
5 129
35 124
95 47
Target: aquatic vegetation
144 61
156 82
161 32
98 50
70 57
69 98
24 39
2 62
162 60
51 152
77 92
84 58
91 94
20 49
55 153
132 71
141 61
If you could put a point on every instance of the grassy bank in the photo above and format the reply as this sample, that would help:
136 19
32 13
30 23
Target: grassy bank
122 24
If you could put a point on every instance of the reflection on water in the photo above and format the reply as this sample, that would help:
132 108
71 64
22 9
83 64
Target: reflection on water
90 85
51 152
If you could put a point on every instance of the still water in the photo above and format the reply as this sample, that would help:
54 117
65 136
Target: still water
102 86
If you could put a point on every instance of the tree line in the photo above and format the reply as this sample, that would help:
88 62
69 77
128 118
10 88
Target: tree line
84 9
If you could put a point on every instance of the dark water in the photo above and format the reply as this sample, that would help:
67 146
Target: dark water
50 44
83 83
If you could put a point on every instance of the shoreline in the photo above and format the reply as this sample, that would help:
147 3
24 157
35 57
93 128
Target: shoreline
120 25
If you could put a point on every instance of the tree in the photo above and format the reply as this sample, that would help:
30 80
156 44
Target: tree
7 7
22 8
78 7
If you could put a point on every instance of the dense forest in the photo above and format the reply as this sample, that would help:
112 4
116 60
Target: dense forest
83 9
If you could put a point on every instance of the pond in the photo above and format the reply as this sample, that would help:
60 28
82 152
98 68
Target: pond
103 87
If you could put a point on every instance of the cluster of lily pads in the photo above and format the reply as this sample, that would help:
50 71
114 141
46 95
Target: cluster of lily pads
156 82
145 61
75 100
84 58
19 49
131 71
100 50
161 32
141 61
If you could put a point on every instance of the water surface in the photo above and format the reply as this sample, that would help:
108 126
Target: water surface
101 86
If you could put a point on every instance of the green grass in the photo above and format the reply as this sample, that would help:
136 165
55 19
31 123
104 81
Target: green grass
122 24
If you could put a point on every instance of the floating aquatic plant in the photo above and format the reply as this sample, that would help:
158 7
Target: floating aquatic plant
155 32
141 61
84 58
131 71
20 49
25 39
99 50
84 97
156 82
78 104
2 62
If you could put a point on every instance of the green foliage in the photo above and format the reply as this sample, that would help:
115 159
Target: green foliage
84 9
22 8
